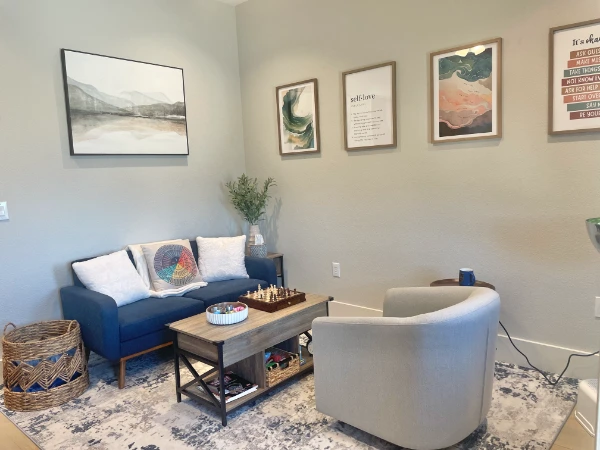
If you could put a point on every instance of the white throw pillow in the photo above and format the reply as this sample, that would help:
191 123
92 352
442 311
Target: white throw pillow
112 275
222 259
171 266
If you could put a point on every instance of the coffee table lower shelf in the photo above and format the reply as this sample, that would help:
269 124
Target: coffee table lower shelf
191 389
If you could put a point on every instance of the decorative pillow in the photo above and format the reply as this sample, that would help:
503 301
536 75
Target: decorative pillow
140 261
171 266
112 275
222 259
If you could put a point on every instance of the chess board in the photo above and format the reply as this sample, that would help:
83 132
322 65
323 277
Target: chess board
273 298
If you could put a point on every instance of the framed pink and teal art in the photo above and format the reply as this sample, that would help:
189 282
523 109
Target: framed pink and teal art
574 100
466 92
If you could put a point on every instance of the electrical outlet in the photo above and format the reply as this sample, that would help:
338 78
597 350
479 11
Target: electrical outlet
3 211
597 311
336 270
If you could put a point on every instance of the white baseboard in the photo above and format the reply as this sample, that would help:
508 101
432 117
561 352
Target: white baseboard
546 357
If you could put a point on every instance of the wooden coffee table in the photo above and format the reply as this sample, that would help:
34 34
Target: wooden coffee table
240 348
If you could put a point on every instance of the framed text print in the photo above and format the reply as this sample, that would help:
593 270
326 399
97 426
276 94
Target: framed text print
298 117
466 92
121 107
370 107
574 101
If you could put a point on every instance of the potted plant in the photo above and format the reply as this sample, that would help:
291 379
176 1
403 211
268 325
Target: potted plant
250 200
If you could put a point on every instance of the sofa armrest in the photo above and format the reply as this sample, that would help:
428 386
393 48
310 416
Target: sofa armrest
261 269
98 318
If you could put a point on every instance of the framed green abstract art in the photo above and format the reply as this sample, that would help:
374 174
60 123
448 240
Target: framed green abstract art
466 92
298 117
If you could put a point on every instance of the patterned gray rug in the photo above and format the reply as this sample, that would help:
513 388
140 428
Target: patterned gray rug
525 414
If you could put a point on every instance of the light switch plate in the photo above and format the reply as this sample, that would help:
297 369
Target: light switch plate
335 267
597 308
3 211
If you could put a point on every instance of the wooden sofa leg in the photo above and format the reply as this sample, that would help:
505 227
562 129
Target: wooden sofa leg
122 365
123 362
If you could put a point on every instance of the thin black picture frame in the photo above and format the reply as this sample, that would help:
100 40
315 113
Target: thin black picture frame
68 108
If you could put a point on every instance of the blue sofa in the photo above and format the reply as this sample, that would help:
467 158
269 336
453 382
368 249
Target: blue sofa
119 334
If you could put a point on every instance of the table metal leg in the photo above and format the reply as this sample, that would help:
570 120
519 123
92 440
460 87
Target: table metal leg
221 385
597 423
177 373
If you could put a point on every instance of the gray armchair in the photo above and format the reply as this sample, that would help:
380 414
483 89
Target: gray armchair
421 376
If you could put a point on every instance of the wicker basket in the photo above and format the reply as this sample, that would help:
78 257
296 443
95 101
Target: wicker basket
279 372
44 365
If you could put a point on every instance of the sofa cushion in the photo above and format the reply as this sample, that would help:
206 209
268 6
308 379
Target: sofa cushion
225 291
150 315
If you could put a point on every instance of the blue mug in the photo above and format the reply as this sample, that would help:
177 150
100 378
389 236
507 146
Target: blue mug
466 277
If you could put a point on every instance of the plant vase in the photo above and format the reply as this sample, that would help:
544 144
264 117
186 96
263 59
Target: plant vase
254 230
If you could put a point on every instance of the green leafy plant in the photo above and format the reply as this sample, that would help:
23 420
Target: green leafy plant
248 198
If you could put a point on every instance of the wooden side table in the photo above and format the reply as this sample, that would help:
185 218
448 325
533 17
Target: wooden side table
454 282
278 260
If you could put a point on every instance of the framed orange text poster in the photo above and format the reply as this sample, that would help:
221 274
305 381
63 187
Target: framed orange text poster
574 100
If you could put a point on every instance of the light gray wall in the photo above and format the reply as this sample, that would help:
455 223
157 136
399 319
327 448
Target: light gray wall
63 207
513 209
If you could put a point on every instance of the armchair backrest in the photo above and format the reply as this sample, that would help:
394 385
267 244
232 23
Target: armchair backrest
434 304
409 302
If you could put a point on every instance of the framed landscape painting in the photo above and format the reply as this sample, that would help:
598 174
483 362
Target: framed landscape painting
121 107
298 117
574 78
466 92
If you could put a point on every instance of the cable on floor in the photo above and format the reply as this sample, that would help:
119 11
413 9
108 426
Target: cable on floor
550 382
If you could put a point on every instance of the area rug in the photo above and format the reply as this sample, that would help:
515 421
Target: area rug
526 414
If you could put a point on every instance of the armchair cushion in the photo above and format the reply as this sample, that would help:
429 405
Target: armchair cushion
152 314
225 291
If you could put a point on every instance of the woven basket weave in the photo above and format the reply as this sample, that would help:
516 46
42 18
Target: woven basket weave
258 251
44 365
277 374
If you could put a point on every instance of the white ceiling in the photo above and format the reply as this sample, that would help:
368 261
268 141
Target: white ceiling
233 2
